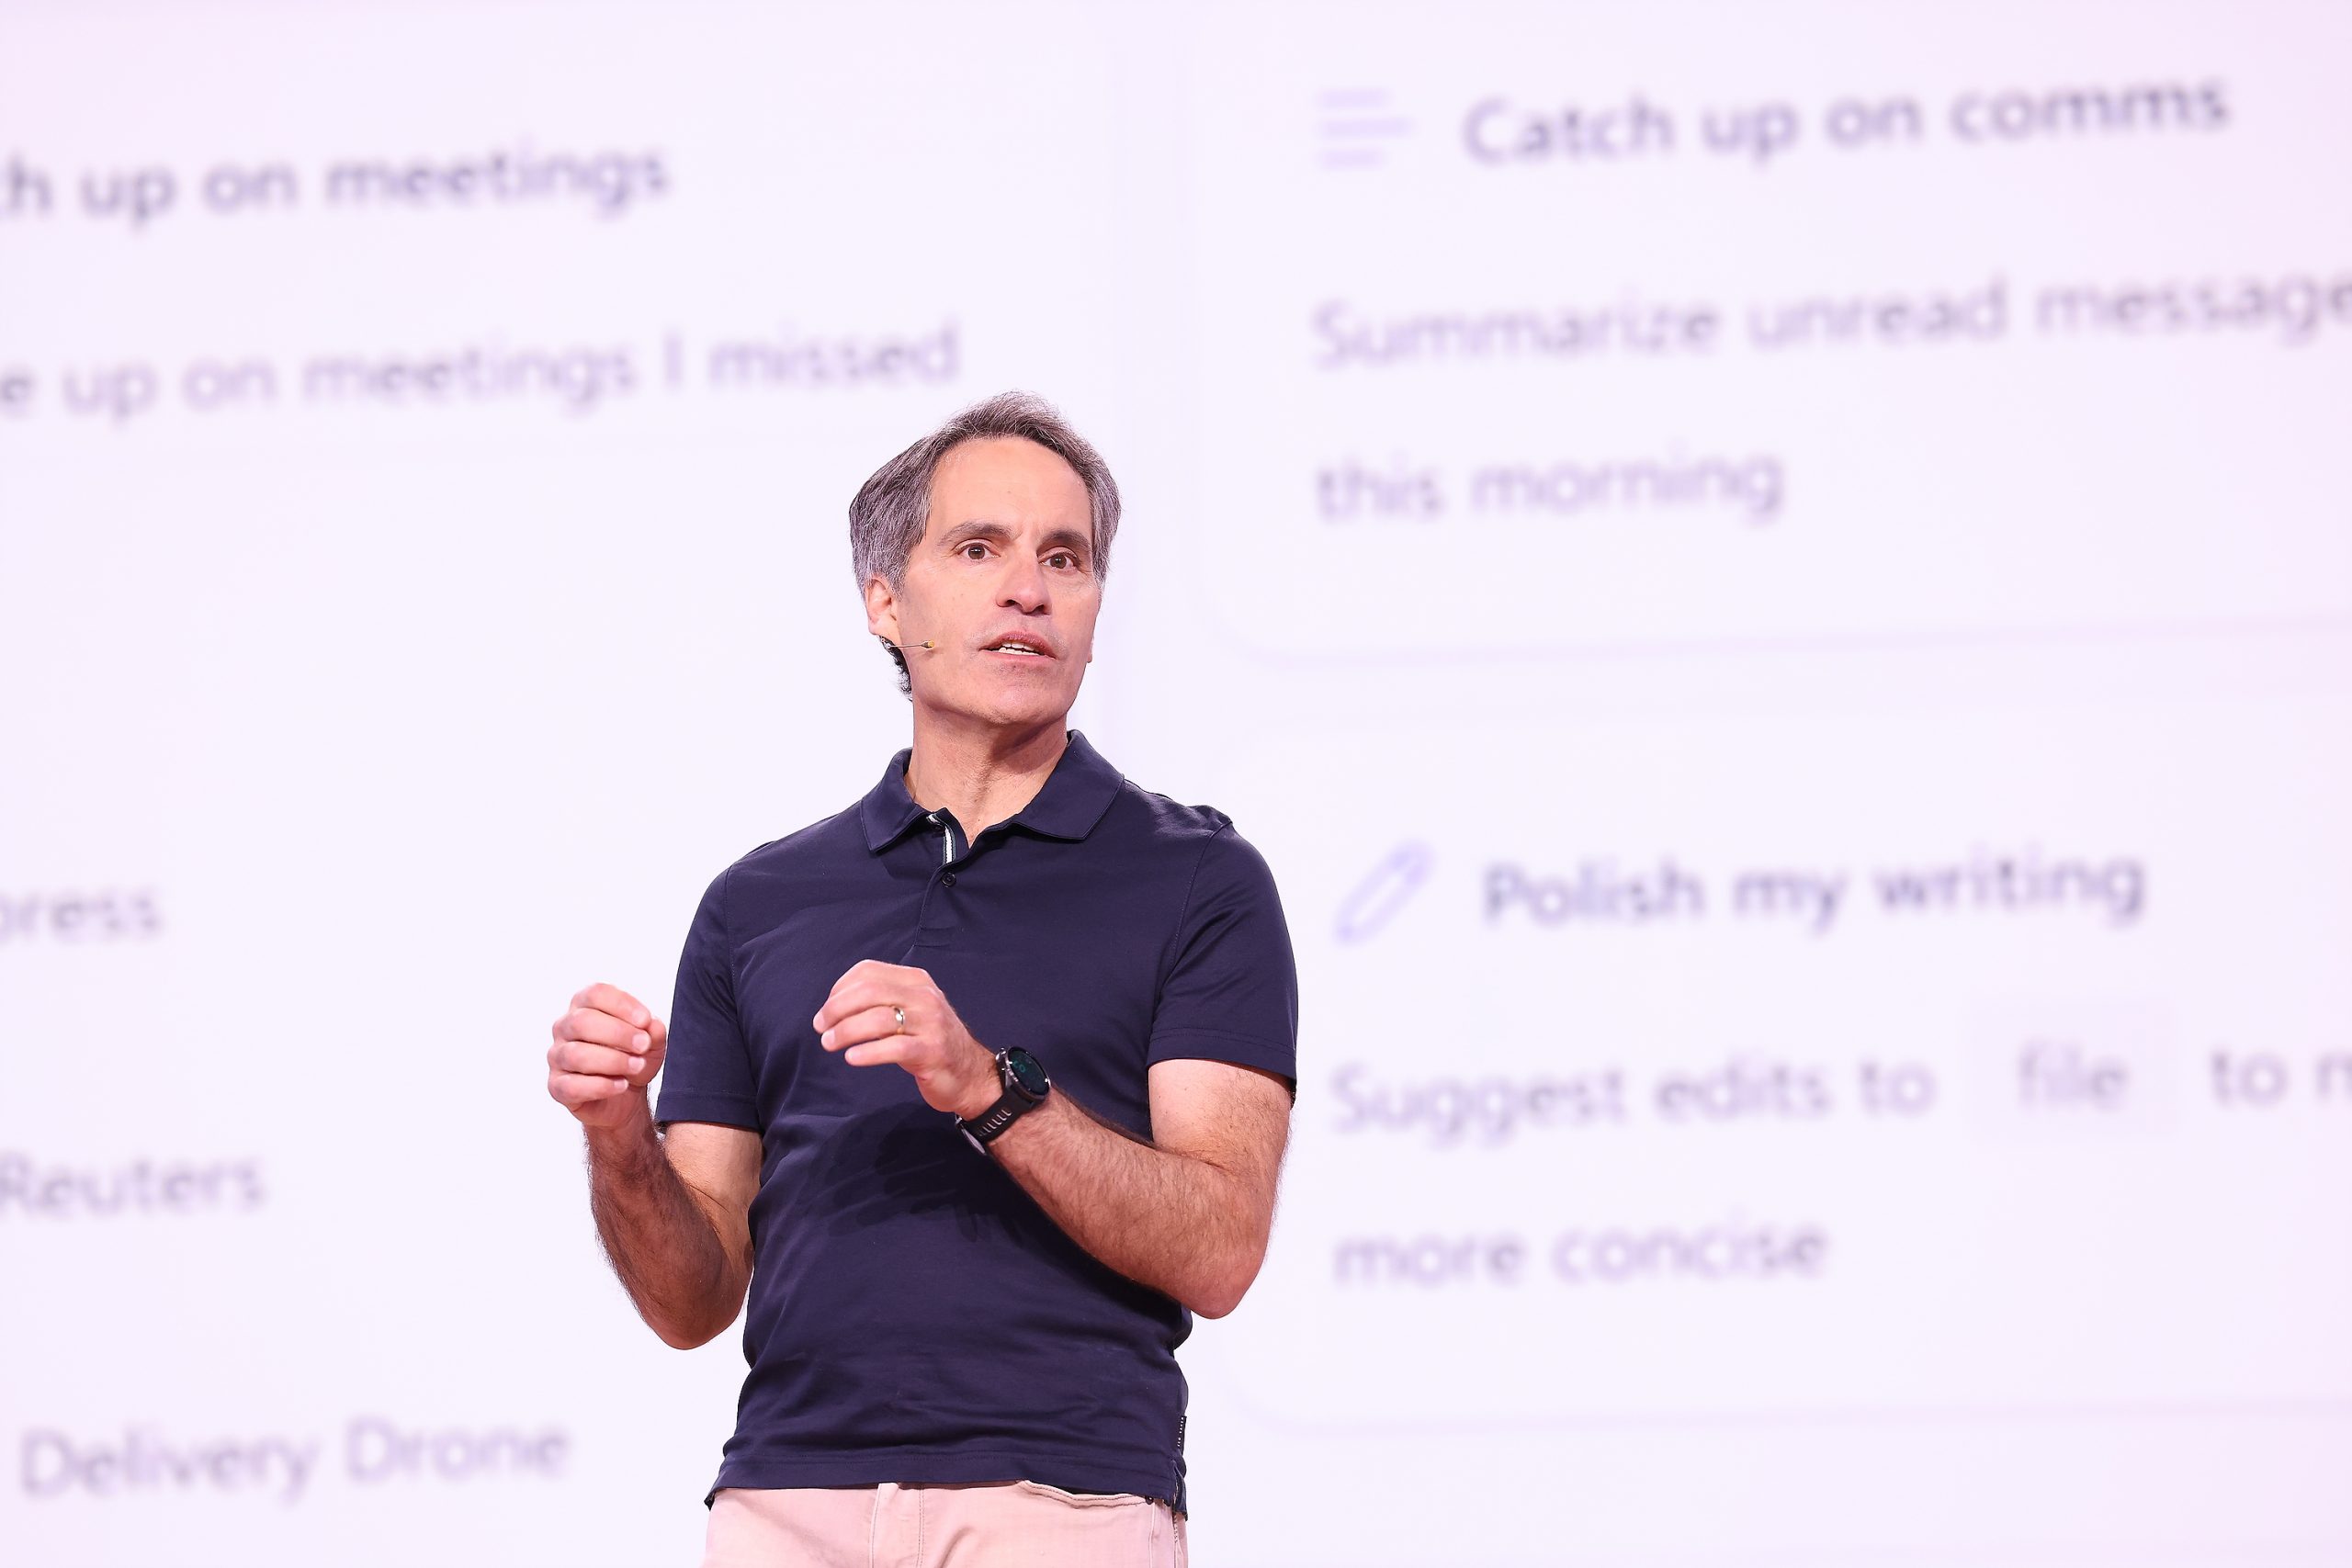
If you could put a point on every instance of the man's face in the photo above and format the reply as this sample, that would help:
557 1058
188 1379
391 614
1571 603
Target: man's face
1006 561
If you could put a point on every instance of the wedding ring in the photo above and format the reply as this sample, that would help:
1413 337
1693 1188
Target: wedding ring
901 1015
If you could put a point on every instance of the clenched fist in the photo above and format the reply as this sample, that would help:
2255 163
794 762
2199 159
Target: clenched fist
607 1050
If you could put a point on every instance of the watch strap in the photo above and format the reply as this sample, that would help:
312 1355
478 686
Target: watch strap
989 1124
985 1128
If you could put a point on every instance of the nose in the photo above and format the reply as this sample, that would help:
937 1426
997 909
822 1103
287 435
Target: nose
1022 587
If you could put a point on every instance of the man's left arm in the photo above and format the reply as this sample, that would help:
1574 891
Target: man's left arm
1183 1214
1187 1213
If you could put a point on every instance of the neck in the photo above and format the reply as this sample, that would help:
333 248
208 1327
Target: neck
981 772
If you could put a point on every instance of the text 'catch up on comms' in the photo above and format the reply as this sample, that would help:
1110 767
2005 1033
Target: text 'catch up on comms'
1362 129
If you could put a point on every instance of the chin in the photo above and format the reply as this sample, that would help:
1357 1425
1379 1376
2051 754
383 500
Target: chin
1030 714
1039 705
1012 708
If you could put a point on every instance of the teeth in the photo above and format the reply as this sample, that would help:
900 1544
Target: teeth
1014 647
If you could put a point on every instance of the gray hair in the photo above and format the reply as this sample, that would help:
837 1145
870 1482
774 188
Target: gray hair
888 515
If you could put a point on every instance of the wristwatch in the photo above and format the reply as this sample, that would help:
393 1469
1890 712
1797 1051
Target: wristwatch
1025 1088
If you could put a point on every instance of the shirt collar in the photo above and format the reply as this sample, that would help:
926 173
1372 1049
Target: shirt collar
1075 796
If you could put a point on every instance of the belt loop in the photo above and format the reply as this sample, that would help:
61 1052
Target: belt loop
874 1523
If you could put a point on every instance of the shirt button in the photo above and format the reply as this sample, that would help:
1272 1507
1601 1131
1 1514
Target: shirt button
949 878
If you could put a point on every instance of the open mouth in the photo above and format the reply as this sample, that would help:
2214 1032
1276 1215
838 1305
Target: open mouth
1018 648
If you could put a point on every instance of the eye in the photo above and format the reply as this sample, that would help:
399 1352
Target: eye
1062 558
975 545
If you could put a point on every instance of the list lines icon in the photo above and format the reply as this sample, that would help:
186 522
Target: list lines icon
1356 127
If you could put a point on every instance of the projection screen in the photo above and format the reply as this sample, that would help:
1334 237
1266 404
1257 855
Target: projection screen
1774 583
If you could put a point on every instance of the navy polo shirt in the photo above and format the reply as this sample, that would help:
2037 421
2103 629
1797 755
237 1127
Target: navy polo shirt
914 1315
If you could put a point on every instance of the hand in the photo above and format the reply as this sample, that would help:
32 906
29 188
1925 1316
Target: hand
954 1072
607 1050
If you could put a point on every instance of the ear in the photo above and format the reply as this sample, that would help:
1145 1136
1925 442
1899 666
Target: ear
882 611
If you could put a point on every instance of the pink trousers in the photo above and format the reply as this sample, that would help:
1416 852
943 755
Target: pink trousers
1011 1524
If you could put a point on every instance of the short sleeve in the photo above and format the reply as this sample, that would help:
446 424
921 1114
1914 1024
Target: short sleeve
1231 992
707 1076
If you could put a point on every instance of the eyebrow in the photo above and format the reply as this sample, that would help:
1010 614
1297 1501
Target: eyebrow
1059 538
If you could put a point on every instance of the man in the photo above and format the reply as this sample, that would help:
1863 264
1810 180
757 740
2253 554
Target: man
978 1088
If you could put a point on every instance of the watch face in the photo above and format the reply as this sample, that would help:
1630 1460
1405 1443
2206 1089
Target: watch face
1027 1073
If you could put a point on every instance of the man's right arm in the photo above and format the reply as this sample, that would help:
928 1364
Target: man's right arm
672 1210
